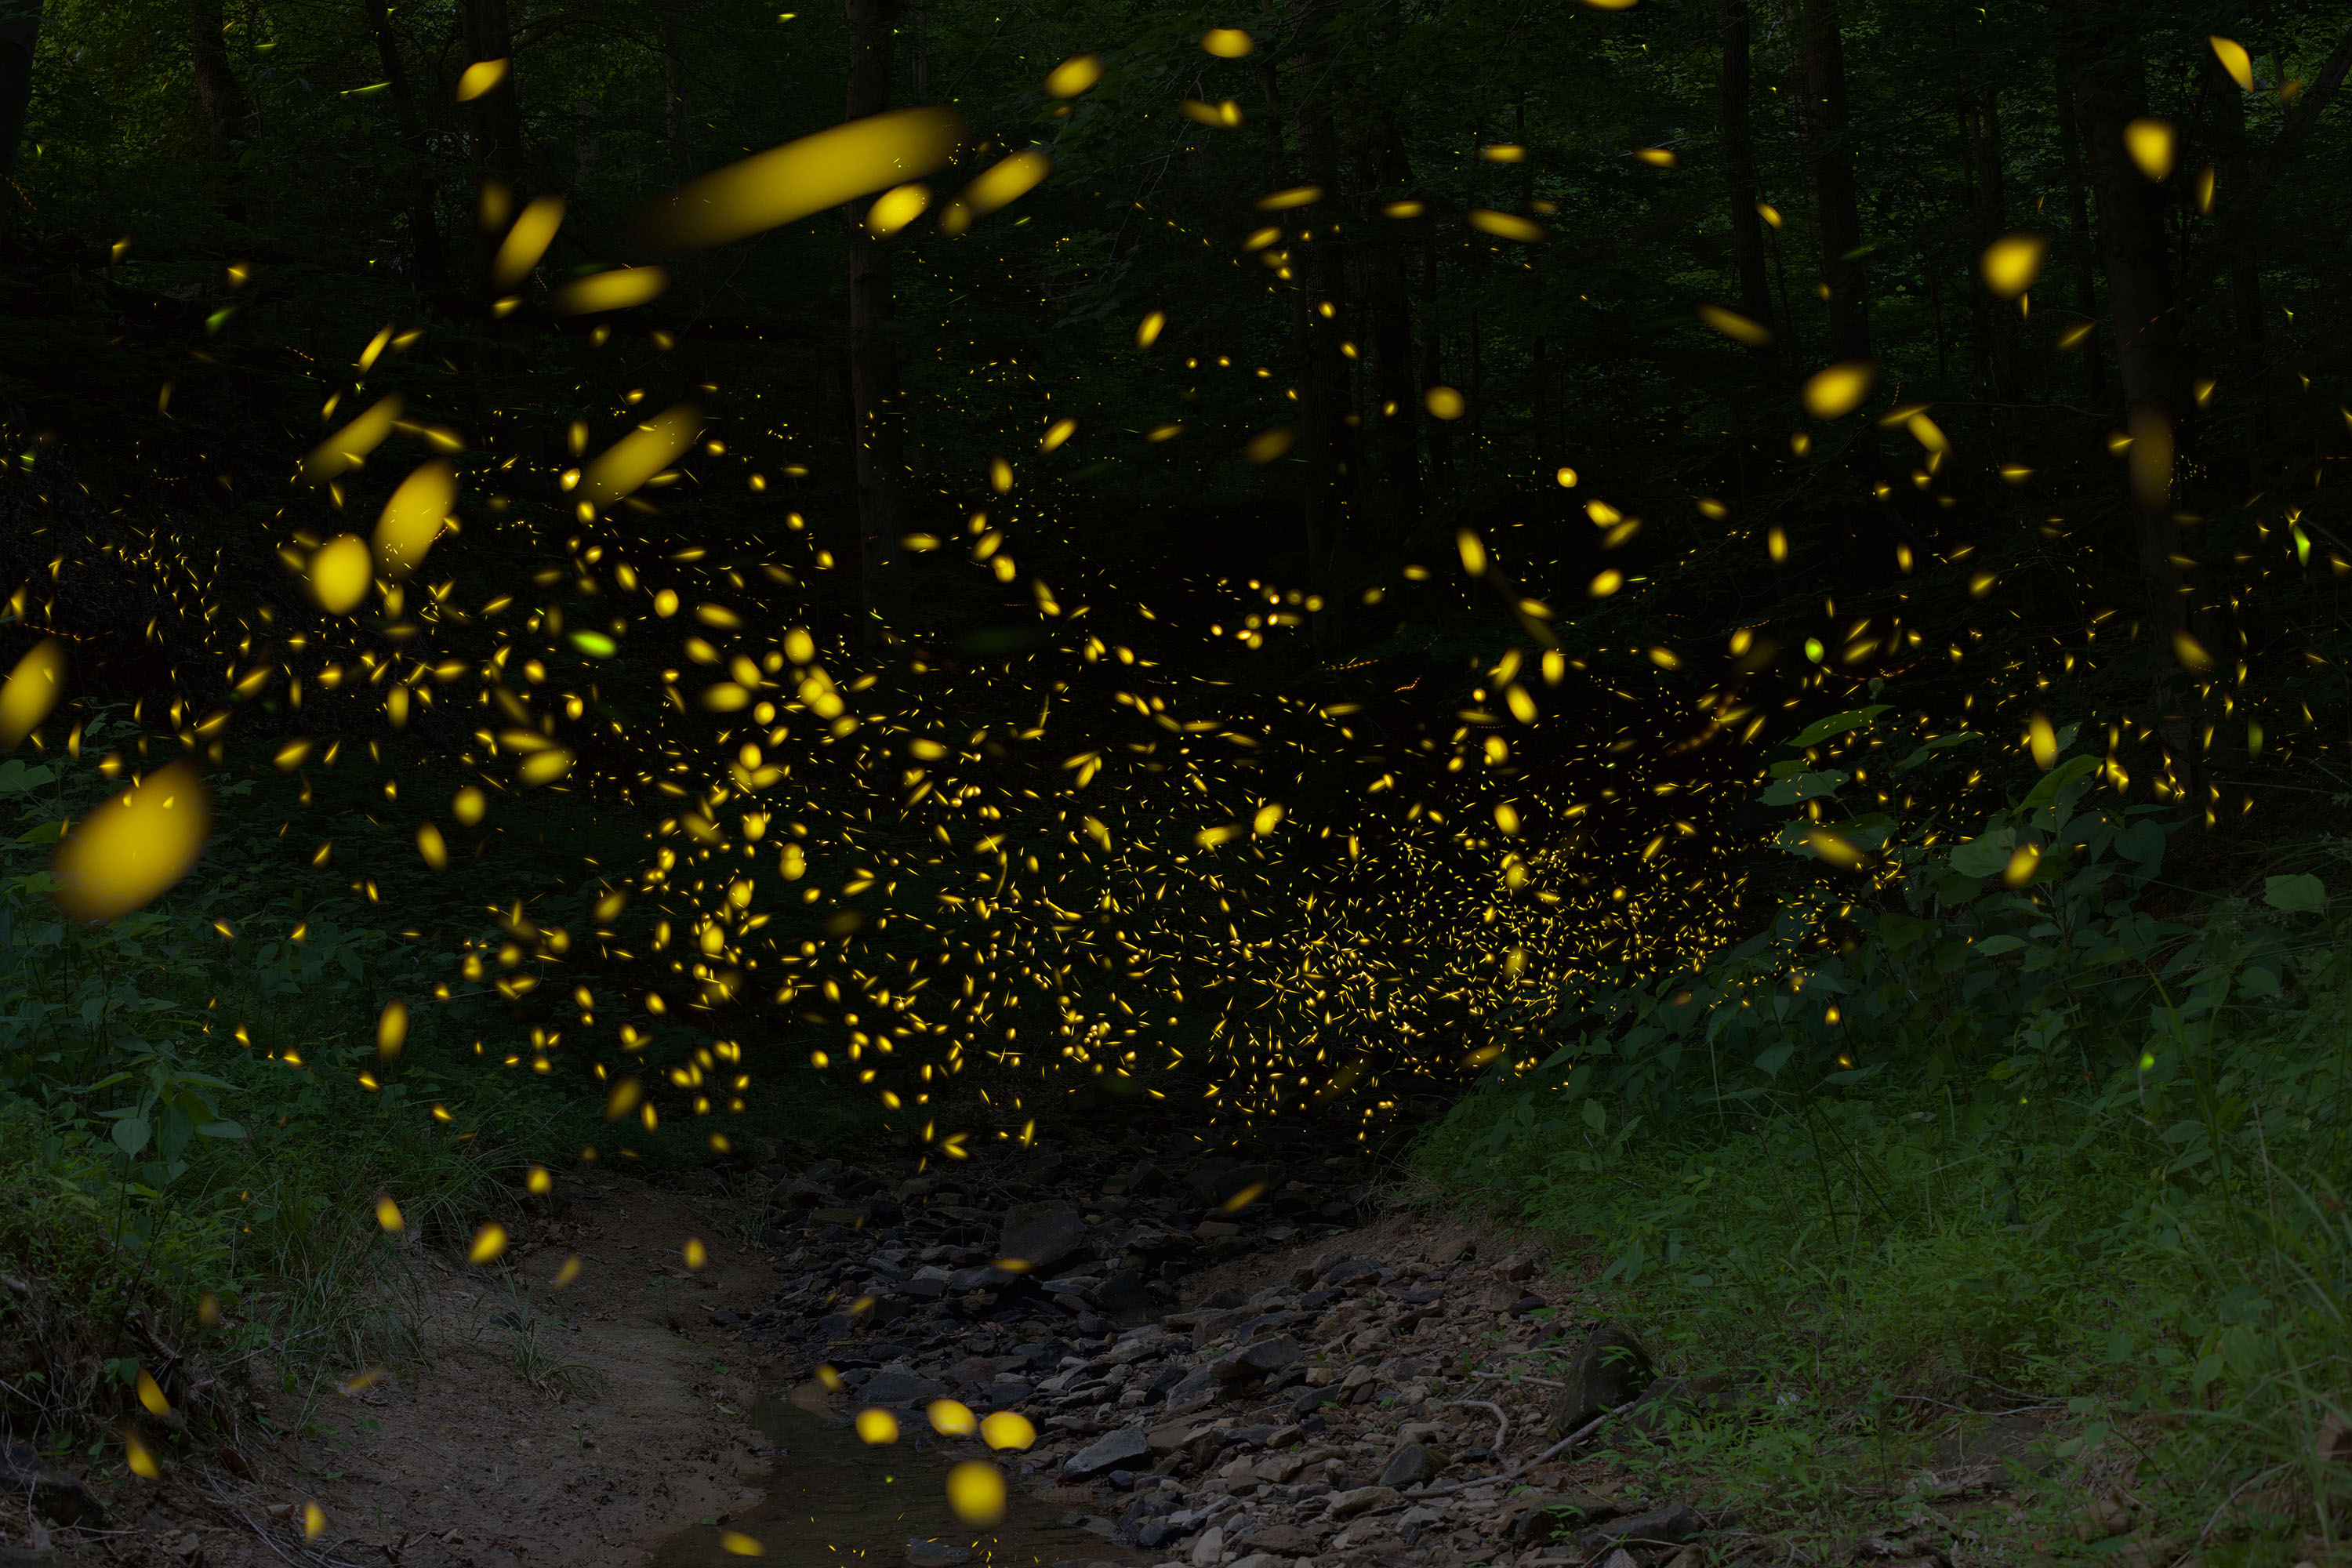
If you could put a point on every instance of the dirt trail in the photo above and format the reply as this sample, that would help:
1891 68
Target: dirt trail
540 1425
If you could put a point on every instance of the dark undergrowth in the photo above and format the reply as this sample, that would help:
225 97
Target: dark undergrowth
1985 1139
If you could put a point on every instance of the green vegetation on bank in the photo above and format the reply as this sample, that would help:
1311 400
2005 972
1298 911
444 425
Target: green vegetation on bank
1973 1130
197 1118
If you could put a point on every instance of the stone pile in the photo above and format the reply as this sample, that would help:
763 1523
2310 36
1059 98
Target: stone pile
1223 1369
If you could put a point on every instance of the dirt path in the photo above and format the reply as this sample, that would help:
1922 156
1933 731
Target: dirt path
577 1425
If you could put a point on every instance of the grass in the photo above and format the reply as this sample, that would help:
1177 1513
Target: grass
2095 1175
197 1125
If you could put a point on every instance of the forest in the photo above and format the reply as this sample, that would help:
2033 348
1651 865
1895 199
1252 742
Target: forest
1611 601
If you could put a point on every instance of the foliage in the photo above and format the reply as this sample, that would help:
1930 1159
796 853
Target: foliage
2019 1142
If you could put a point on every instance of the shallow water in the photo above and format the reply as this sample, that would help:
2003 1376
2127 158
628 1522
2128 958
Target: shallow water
834 1502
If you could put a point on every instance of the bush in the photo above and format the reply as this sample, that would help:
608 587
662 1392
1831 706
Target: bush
1970 1129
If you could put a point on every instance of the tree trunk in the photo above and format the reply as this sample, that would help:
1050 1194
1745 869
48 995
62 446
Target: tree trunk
919 55
2085 249
225 106
20 31
1433 361
1986 160
681 151
2108 94
428 262
1397 402
873 364
1739 172
1839 219
498 113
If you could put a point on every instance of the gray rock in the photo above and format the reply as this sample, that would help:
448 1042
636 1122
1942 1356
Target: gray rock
1123 1298
1670 1525
1348 1504
894 1385
1128 1449
1208 1546
936 1554
1263 1559
1610 1369
1284 1540
1411 1465
1197 1391
1546 1517
1257 1360
1006 1391
52 1491
1042 1233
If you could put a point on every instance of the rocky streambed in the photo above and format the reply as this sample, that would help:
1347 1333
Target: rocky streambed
1229 1360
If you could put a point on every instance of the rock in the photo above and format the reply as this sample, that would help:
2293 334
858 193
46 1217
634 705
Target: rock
53 1492
1348 1504
1350 1271
1041 1234
1284 1540
936 1554
1547 1516
1671 1525
1124 1298
1126 1449
2100 1517
894 1385
1196 1391
1516 1270
1255 1361
1262 1560
17 1557
1208 1546
1007 1391
1621 1558
1411 1465
1610 1369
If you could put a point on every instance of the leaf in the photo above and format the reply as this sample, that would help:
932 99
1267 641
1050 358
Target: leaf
1771 1061
1804 786
2058 778
221 1130
131 1134
1986 854
1596 1116
1821 729
2258 983
2301 894
1994 946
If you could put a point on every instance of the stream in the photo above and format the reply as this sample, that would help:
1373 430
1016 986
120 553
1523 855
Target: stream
832 1501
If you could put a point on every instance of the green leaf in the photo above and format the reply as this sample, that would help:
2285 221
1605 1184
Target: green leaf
1994 946
46 833
1771 1061
131 1134
1596 1116
2301 894
2058 778
220 1130
1821 729
1986 854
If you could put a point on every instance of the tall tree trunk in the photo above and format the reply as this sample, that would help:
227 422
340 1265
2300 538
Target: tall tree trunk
1986 157
918 54
2085 250
1433 361
498 113
2109 92
681 151
1831 154
1397 402
1739 172
20 31
873 363
2245 278
428 262
225 106
1540 412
